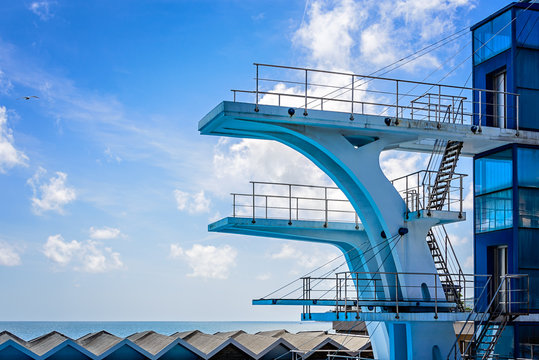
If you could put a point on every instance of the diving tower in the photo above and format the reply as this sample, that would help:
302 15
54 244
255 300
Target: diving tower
403 276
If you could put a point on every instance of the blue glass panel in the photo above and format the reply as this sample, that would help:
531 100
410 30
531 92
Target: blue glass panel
493 172
527 28
492 38
528 208
494 211
528 167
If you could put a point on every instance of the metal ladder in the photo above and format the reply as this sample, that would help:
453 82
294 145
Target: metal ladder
448 163
437 196
489 336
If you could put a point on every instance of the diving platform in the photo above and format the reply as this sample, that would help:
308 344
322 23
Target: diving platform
404 277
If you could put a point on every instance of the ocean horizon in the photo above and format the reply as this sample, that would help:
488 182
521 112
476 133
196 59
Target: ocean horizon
28 330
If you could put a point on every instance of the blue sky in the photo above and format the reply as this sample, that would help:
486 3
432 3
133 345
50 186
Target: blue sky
106 187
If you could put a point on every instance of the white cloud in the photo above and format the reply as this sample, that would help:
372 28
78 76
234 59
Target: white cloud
87 256
375 32
457 240
467 203
8 255
193 203
51 196
395 164
5 84
104 233
42 9
308 260
9 155
60 251
468 264
263 277
207 261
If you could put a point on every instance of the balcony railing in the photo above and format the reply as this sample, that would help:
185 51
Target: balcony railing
417 188
269 200
308 89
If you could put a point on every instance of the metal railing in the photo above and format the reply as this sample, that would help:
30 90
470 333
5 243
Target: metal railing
348 292
363 94
274 200
416 190
501 300
270 200
336 354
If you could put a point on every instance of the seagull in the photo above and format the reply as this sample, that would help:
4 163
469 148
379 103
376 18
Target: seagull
28 97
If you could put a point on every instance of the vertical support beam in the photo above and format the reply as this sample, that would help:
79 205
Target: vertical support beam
480 109
518 115
397 294
397 104
233 205
326 207
435 297
256 106
352 110
306 85
289 204
254 204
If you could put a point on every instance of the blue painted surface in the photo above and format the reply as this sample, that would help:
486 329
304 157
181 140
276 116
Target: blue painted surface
520 60
179 352
12 353
68 353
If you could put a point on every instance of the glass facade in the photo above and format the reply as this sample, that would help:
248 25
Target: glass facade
527 33
528 167
496 34
493 192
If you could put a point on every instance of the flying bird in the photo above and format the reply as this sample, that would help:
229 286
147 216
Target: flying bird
28 97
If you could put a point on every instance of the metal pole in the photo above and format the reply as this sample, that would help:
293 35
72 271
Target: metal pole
407 207
289 204
256 106
397 294
326 206
305 111
337 295
352 111
234 91
266 206
480 110
428 111
321 104
397 102
460 213
297 208
279 99
345 296
253 221
233 205
439 103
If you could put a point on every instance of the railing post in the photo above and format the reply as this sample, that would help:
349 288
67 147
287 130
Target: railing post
234 92
397 104
345 296
297 208
397 294
279 100
461 200
407 207
428 111
462 111
289 204
326 207
233 205
480 109
254 204
322 104
305 111
439 103
266 206
357 219
256 106
337 295
352 110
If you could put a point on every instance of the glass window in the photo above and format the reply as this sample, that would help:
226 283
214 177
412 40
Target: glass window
494 172
494 211
488 42
528 208
528 167
527 28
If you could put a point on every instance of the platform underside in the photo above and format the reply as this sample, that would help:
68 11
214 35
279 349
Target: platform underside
237 119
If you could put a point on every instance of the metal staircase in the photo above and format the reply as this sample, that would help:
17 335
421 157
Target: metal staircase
510 299
440 190
439 193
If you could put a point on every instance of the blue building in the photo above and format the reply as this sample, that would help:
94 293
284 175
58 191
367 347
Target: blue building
506 178
402 277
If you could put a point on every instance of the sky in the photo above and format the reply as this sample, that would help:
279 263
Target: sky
106 186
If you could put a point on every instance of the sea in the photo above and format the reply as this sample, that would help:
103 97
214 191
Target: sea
28 330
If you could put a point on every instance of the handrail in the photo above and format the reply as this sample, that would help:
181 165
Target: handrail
390 98
376 77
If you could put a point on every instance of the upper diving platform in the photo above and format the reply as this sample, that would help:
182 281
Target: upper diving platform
410 114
